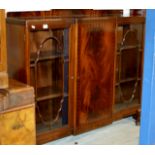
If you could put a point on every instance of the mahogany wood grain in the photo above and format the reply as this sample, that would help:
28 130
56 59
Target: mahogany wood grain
66 13
130 20
95 70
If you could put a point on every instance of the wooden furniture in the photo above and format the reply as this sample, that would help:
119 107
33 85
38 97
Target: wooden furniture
138 12
129 66
66 13
3 59
81 67
42 47
94 72
17 114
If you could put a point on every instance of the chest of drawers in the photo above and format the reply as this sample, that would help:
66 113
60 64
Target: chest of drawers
17 121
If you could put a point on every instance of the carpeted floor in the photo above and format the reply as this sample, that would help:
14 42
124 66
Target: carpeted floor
122 132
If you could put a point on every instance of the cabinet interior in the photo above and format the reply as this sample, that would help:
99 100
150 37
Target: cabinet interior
128 66
49 76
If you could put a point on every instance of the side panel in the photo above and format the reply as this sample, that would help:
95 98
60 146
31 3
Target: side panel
16 52
95 84
3 59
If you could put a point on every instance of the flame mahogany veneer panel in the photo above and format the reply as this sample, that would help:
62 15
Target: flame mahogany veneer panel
96 51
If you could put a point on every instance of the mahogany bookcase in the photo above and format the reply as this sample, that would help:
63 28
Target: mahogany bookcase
86 70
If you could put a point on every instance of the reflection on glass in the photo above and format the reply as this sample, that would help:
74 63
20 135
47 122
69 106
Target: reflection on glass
49 76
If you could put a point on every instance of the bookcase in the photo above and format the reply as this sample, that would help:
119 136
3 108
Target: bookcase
86 70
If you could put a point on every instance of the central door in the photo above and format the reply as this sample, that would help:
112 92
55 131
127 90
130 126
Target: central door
95 72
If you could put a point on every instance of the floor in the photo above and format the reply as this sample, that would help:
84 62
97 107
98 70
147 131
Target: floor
122 132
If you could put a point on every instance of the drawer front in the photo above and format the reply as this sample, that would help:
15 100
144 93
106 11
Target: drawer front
18 127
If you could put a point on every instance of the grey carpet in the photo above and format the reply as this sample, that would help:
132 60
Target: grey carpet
122 132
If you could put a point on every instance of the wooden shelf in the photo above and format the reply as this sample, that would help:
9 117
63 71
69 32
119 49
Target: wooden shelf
45 128
129 47
126 47
122 106
46 55
127 80
118 50
47 93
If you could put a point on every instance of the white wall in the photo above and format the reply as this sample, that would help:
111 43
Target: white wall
30 5
26 5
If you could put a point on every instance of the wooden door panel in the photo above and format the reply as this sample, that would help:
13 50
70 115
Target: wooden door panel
96 49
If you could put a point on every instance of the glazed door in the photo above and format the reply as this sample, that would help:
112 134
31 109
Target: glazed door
129 66
95 72
49 72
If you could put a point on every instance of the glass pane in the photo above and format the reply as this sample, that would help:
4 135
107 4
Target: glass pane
128 65
49 76
124 94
